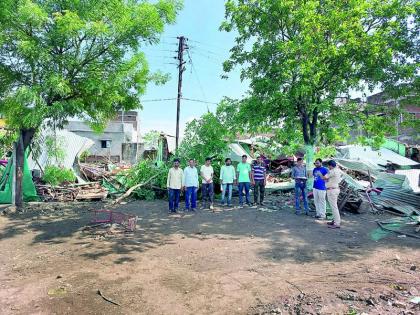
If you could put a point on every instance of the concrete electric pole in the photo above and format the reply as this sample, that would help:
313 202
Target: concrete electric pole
181 48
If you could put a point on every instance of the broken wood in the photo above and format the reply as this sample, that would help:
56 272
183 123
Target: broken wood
349 199
88 191
129 192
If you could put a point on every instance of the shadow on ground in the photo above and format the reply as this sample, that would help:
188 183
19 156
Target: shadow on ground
289 237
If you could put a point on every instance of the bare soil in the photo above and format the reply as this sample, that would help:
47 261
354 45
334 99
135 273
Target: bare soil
232 261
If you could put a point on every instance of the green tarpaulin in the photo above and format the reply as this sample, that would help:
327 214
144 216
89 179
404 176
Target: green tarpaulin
28 187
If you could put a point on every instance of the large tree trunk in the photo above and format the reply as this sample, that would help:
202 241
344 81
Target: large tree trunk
309 129
25 139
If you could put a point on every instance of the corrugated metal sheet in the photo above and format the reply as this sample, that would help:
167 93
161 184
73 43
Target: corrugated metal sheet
413 177
406 203
352 182
360 166
389 181
236 152
72 144
408 198
376 157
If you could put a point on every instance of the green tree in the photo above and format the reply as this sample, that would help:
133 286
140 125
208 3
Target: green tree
299 56
66 58
204 137
151 138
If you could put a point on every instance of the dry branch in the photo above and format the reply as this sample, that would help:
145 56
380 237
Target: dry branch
129 192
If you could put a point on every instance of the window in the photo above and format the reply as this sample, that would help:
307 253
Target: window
105 144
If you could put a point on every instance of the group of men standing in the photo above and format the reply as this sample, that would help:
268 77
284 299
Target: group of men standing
326 186
244 176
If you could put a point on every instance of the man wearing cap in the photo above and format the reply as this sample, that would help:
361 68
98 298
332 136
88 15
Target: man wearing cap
174 184
333 179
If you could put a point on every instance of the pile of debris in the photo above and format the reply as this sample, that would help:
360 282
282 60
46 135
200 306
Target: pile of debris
72 192
109 223
369 179
94 172
349 198
277 178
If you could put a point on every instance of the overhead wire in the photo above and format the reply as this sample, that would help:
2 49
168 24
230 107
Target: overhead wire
209 58
174 98
198 101
206 51
207 44
196 74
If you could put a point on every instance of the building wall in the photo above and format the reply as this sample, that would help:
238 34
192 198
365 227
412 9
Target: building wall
117 133
130 117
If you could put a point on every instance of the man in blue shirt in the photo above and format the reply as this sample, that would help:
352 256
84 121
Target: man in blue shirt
320 190
300 176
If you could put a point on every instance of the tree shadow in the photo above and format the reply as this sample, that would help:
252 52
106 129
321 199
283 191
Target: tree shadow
290 238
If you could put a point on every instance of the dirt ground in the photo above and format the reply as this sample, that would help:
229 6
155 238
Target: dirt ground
232 261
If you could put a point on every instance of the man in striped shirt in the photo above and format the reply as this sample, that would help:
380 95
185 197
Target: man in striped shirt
258 180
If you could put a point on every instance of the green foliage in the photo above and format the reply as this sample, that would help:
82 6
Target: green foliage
6 143
142 172
325 152
352 311
374 123
84 155
55 176
151 138
205 137
299 56
55 149
65 58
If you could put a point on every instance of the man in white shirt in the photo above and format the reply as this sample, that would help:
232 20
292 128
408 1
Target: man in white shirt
190 183
174 184
207 187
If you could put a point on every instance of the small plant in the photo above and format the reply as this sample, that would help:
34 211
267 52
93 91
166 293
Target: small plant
352 311
84 156
55 176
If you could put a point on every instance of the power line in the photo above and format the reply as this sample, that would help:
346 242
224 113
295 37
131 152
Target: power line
164 57
196 75
198 101
174 98
158 100
209 58
207 51
207 44
163 50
